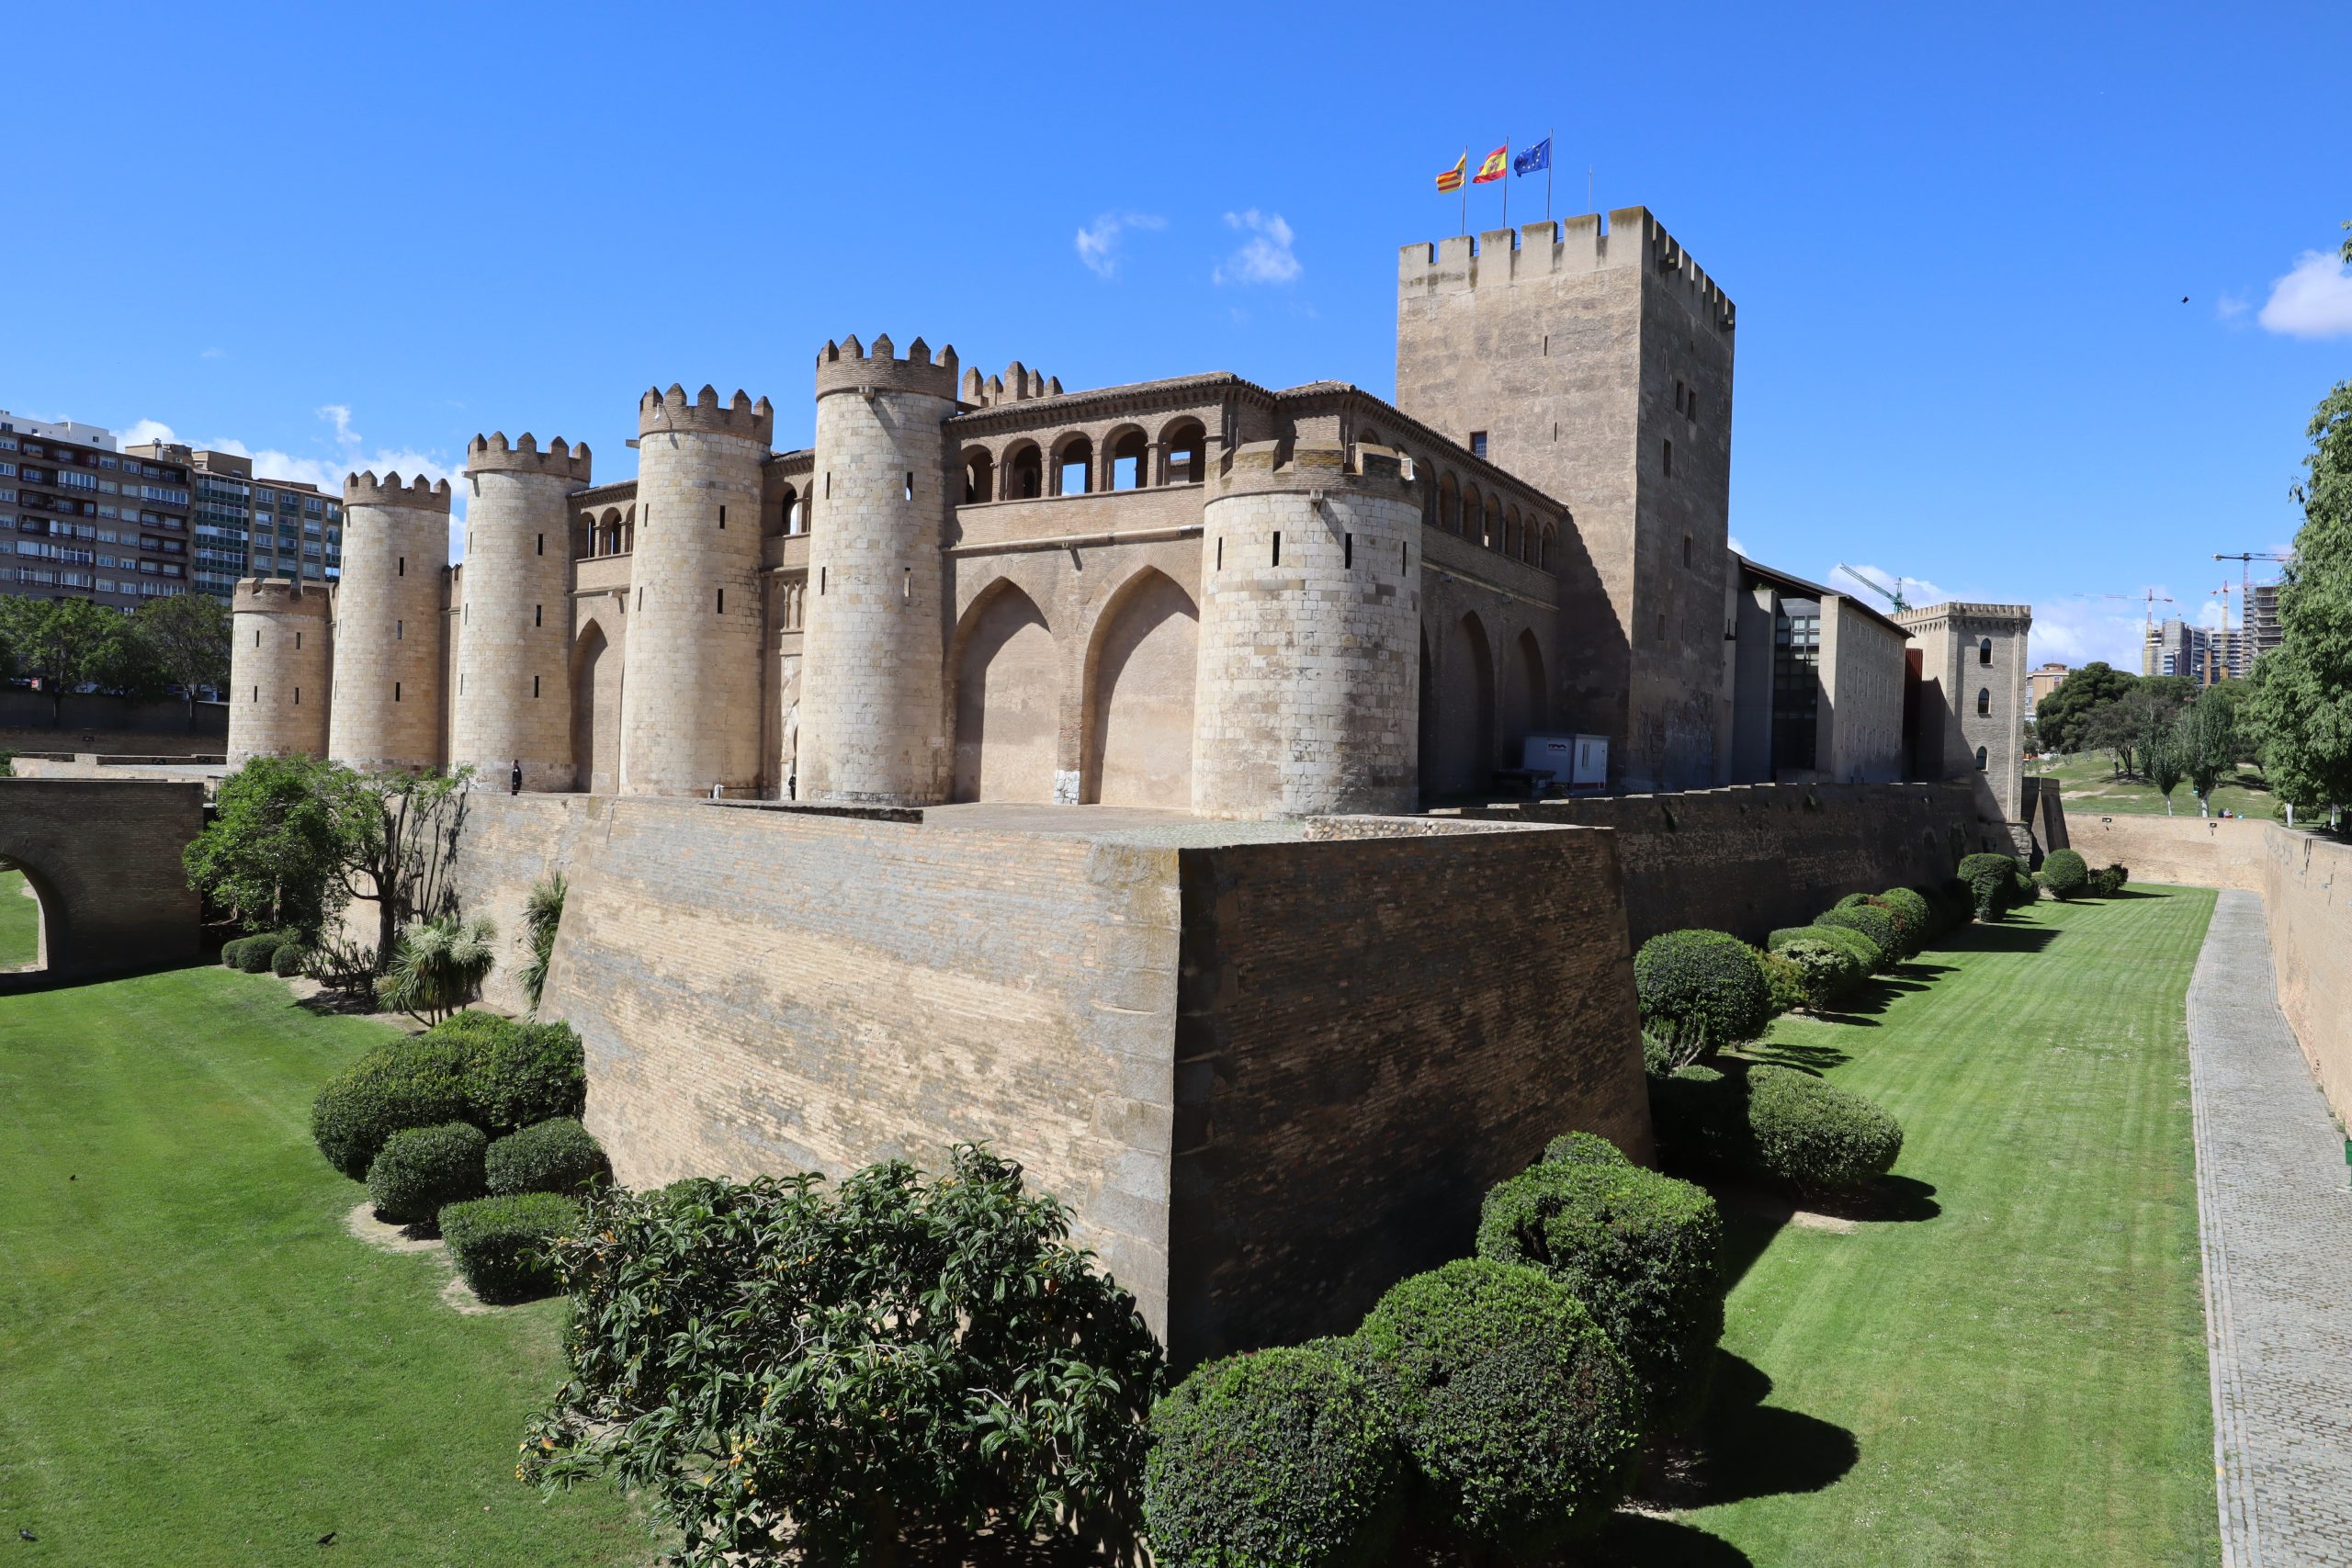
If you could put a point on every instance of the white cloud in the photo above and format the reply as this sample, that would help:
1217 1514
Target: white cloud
143 432
1917 592
1265 256
2213 615
214 354
1736 548
2230 306
1098 243
2313 300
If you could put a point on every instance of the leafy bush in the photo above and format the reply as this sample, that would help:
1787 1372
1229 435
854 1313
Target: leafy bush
1821 969
526 1073
2024 887
1816 1136
423 1168
288 960
911 1352
1785 983
2065 873
555 1155
233 950
1880 925
1865 952
417 1082
542 913
2107 881
505 1247
347 968
1916 913
437 966
1852 901
1666 1045
1583 1148
1643 1252
1704 981
1698 1118
1281 1457
1520 1417
252 955
1992 882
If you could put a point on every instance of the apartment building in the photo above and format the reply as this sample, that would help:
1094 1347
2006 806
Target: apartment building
248 527
82 519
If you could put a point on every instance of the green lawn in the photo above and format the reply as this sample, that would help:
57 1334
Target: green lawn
2090 786
198 1365
19 923
2008 1367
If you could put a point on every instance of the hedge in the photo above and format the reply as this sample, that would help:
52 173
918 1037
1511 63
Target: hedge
288 960
416 1082
2107 881
1917 912
1992 882
1583 1148
1821 969
499 1244
1785 981
1642 1251
252 955
1816 1136
2065 873
1519 1416
423 1168
526 1073
1705 981
1283 1459
555 1155
1880 925
1865 952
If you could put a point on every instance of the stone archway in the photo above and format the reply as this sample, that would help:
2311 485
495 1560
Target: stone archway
1139 677
595 714
103 857
1006 674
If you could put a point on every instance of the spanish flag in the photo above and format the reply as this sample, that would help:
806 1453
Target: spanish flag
1452 179
1493 169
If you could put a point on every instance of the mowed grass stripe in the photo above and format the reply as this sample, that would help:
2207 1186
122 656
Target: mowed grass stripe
2022 1375
19 923
201 1366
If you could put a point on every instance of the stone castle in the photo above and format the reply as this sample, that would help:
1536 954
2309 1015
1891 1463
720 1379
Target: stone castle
1113 774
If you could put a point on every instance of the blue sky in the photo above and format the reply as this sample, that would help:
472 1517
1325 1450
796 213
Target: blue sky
1959 240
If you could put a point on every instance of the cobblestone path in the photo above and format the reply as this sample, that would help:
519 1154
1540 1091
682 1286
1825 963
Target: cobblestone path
2275 1215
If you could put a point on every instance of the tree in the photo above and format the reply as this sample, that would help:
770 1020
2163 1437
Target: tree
2162 761
65 642
2303 687
399 835
2206 739
437 966
190 636
273 855
542 913
2061 714
783 1367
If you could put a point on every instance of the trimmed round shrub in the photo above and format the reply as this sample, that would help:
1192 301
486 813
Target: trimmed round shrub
1814 1135
1880 925
1517 1413
1282 1459
2065 874
555 1155
421 1169
1822 970
525 1074
1582 1148
1846 939
254 953
1785 982
417 1082
500 1245
287 961
1643 1252
1912 906
2107 881
233 950
2024 886
1991 883
1704 981
1696 1115
1852 901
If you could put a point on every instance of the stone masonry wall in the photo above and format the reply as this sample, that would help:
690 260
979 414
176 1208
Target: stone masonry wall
2200 851
1373 1032
280 654
2307 887
513 690
103 855
1751 858
388 653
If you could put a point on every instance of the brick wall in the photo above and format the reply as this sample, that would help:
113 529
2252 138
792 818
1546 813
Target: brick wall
2307 885
1753 857
104 856
2207 852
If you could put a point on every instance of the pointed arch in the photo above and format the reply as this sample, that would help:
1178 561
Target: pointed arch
1466 709
1005 667
1528 710
1137 705
596 713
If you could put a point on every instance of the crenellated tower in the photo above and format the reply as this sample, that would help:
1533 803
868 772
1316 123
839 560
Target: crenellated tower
873 720
691 707
280 656
1307 691
513 697
387 702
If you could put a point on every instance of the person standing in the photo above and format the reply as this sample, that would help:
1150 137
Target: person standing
514 779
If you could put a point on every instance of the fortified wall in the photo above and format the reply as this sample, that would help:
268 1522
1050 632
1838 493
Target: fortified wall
1273 1067
1755 857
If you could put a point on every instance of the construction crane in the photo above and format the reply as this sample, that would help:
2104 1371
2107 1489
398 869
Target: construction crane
1892 595
2243 653
2153 597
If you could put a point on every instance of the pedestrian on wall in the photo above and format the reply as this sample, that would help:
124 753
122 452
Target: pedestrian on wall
514 779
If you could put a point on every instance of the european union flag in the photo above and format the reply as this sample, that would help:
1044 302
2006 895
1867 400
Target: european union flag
1534 158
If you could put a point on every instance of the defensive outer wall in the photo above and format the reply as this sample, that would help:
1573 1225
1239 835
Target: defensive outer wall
103 857
1271 1066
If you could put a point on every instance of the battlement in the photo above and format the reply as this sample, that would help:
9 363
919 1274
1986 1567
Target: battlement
1926 616
559 460
1263 467
278 596
704 414
1500 257
850 366
366 490
1019 384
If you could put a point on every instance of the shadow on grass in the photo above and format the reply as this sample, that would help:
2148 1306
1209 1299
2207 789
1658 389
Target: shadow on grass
2007 937
31 982
1644 1541
1749 1448
1814 1059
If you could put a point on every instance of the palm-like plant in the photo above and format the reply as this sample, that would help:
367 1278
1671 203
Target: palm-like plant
542 913
437 967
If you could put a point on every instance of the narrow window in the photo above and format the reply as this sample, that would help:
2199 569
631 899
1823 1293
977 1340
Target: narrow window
1677 397
1403 557
543 544
257 693
1985 651
907 585
535 686
1220 555
400 631
821 572
1661 626
1477 444
1980 759
465 615
396 691
1686 549
298 696
722 518
829 484
257 636
404 571
536 609
461 685
911 484
1984 701
298 641
1278 546
1670 459
640 598
1348 551
722 601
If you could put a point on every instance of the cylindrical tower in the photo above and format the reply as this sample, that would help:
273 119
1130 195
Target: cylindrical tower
279 650
1307 693
873 718
513 696
387 712
690 672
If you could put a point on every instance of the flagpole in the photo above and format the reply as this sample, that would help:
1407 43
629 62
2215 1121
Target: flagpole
1465 167
1506 184
1548 150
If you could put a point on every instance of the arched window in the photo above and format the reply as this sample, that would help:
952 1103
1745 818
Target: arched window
1492 538
980 475
1980 759
1984 701
1550 537
1984 650
1510 531
1130 459
1074 465
1186 442
788 512
1448 505
1025 472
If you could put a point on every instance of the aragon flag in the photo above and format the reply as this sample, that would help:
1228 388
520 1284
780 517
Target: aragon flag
1492 169
1452 179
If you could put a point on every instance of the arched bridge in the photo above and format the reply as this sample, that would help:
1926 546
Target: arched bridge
104 856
